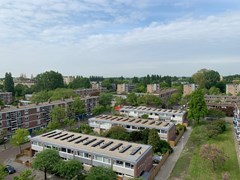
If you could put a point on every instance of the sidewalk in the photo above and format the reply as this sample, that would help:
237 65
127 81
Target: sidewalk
168 166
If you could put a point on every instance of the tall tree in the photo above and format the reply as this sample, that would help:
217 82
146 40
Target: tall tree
79 82
97 173
69 169
154 140
49 80
19 137
46 160
132 99
2 172
58 114
8 83
197 106
105 99
78 107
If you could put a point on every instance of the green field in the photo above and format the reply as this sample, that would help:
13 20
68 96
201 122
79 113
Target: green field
191 166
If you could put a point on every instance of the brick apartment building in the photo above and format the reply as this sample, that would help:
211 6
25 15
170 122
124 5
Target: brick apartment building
188 89
127 159
89 92
153 88
232 89
125 88
6 97
35 116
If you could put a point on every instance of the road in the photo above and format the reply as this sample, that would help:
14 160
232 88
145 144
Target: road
168 166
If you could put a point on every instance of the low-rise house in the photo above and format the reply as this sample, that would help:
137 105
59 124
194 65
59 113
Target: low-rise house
176 116
166 130
127 159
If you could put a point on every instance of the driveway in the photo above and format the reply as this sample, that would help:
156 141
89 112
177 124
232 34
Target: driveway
168 166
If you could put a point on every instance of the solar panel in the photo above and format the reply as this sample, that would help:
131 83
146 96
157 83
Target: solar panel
106 145
81 140
97 143
135 150
54 135
48 133
67 137
115 147
61 136
90 141
74 139
125 148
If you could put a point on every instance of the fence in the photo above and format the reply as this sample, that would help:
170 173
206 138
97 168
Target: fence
174 143
154 171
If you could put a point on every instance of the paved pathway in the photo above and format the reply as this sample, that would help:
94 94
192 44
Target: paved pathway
168 166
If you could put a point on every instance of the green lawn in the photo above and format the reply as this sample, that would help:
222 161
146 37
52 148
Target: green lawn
191 166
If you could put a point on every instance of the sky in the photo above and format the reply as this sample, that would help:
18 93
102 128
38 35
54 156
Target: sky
113 38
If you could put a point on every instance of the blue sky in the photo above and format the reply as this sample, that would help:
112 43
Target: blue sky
119 37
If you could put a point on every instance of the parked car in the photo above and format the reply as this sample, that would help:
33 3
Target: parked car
9 169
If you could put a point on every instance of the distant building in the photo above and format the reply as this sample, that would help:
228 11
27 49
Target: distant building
165 94
96 85
125 88
189 89
153 88
127 159
68 79
89 92
232 89
6 97
166 130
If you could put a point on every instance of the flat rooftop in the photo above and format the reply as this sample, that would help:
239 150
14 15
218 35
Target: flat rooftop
152 110
42 104
133 121
121 150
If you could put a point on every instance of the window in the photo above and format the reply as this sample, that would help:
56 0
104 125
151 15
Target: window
129 165
26 118
26 111
79 153
63 149
119 163
98 158
69 151
34 143
0 115
86 155
106 160
128 126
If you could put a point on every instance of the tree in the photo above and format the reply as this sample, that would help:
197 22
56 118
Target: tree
69 169
54 124
215 114
1 103
78 107
132 99
154 140
174 99
2 172
86 129
79 82
25 175
97 173
20 90
69 122
197 106
20 137
214 91
58 114
8 83
149 100
144 116
211 153
98 110
49 80
3 136
105 99
46 160
117 132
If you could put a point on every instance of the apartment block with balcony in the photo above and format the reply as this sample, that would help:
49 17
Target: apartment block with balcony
6 97
125 88
166 130
127 159
35 116
236 118
153 88
232 89
168 115
89 92
189 89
